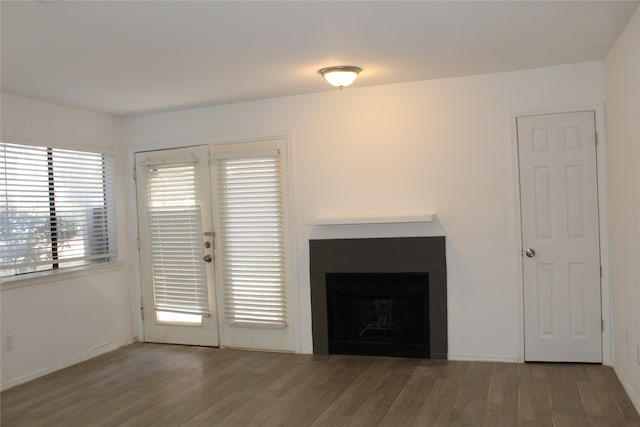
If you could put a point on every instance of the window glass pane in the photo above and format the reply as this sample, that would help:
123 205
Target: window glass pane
25 237
175 230
80 205
252 227
169 317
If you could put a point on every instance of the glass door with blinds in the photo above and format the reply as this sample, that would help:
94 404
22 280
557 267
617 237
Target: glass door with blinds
177 246
251 254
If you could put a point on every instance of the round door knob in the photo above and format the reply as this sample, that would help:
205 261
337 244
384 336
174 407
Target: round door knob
207 258
530 252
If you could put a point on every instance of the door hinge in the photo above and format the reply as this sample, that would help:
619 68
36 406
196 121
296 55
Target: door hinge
597 142
601 272
135 174
602 325
142 313
138 243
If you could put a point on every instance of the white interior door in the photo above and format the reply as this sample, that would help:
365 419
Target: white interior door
560 235
176 246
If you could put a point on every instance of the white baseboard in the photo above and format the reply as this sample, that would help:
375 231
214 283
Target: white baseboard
477 358
96 351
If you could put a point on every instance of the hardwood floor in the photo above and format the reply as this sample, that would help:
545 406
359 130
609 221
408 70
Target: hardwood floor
163 385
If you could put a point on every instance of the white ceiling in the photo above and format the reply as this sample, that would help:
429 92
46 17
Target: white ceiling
126 57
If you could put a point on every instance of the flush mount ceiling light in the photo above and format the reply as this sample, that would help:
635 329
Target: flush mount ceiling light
340 75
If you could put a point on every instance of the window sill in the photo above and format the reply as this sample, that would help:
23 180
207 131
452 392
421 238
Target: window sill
44 277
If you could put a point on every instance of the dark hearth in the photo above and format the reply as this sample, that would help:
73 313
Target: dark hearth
381 314
422 255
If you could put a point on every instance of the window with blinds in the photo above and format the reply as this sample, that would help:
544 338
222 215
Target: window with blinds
250 194
56 208
175 230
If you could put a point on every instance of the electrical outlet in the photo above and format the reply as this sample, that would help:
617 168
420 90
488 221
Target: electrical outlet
8 343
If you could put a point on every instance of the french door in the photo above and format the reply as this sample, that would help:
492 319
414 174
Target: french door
176 246
251 254
213 245
560 235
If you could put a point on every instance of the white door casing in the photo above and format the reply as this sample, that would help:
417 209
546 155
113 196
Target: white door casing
560 237
174 224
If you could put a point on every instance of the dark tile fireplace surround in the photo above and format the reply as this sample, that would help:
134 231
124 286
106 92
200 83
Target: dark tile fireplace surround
379 296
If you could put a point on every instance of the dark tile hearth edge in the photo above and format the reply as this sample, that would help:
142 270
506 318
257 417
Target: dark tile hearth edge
380 255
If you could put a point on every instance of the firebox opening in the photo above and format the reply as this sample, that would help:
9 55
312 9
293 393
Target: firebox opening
378 314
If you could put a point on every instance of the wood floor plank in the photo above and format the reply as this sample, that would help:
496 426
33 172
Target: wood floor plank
471 403
438 405
502 403
163 385
570 419
359 389
406 405
629 413
565 396
441 401
597 402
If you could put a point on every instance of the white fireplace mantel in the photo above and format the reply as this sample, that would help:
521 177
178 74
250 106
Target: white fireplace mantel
373 220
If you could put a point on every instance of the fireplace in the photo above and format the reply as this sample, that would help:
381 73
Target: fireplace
379 296
381 314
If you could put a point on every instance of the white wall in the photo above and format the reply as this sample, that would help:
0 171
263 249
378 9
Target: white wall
622 77
443 146
54 321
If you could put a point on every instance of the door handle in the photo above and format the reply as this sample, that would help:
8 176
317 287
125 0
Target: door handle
207 258
530 252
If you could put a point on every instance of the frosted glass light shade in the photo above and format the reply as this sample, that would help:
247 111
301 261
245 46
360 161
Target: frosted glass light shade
340 76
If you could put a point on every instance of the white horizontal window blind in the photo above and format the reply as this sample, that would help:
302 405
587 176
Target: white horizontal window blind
175 230
56 208
250 196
